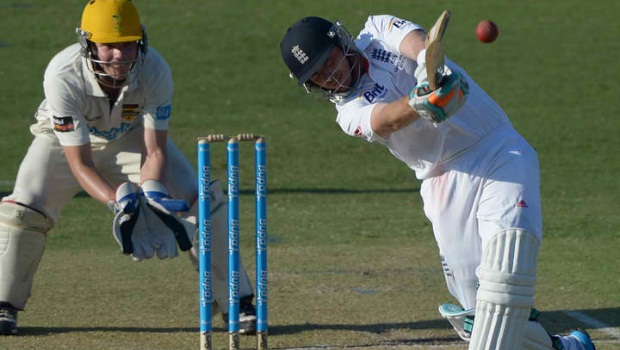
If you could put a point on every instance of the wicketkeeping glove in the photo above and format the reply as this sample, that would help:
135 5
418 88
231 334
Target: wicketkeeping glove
155 192
437 106
168 232
127 199
174 230
126 209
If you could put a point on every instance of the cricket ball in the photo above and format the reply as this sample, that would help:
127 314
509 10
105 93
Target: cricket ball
487 31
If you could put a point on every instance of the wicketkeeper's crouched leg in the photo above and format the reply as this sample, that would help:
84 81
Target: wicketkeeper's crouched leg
22 242
219 251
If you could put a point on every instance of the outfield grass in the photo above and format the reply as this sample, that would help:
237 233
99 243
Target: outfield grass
352 259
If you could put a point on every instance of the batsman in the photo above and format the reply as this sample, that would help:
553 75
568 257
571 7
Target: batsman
480 179
103 128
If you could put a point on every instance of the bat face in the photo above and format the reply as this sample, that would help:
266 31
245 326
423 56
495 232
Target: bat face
435 52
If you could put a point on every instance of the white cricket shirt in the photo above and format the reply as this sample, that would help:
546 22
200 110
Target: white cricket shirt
79 112
422 145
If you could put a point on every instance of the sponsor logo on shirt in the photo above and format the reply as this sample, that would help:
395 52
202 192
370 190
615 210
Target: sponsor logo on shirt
111 134
130 112
163 112
382 56
375 94
396 22
63 124
387 57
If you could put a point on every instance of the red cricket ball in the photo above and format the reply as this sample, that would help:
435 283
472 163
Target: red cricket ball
487 31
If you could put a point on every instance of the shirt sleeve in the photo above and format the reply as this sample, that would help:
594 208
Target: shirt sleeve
160 89
389 29
66 105
354 119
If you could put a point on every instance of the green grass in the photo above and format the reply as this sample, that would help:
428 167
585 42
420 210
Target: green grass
352 259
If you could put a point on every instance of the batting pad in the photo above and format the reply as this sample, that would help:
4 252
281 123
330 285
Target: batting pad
22 242
505 296
219 251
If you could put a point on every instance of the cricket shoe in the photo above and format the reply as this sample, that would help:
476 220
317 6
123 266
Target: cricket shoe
247 316
8 319
576 340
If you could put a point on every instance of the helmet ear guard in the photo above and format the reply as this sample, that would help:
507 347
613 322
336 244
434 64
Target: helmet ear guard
84 42
143 44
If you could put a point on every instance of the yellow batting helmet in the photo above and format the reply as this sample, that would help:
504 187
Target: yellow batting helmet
111 21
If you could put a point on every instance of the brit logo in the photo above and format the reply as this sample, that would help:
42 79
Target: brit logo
376 93
299 54
63 124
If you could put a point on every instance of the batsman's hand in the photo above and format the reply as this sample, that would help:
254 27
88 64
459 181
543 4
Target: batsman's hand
438 105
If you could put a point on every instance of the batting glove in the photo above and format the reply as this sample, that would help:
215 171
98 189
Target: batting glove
437 106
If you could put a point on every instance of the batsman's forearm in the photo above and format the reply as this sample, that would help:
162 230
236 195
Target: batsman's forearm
389 117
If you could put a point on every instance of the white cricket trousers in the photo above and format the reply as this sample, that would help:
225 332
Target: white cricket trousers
46 183
491 187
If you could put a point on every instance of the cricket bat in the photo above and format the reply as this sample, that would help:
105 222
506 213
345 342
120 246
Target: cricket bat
435 51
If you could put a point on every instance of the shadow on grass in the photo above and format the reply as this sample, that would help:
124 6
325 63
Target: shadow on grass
273 329
333 190
554 321
274 191
564 321
377 328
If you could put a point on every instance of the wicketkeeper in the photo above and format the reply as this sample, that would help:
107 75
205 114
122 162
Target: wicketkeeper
103 128
480 178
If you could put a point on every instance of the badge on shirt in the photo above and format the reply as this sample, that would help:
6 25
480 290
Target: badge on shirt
63 124
163 112
130 112
396 22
